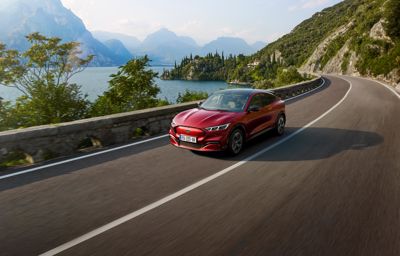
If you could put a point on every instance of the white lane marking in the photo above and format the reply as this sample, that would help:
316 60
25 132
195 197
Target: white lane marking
81 157
379 82
113 149
183 191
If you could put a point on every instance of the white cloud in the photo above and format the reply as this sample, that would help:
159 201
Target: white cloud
293 8
138 28
308 4
274 36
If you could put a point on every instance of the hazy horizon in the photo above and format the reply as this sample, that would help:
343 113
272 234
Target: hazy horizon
253 20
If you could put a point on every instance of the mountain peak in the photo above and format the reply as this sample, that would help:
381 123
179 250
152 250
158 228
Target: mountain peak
228 45
164 31
162 34
168 38
19 18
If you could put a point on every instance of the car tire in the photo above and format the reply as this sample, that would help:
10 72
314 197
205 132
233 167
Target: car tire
236 141
280 125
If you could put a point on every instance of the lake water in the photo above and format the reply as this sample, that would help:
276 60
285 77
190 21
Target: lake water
94 82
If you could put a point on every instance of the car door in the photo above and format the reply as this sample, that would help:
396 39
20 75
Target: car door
261 119
270 109
254 114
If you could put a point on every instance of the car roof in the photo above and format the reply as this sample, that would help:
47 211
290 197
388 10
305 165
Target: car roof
245 91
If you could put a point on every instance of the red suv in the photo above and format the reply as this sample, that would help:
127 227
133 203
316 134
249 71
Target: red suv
227 119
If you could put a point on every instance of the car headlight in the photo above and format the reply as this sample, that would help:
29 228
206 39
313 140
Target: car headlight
218 128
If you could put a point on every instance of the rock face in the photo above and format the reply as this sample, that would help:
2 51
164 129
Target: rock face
378 32
352 70
335 64
313 63
345 61
277 55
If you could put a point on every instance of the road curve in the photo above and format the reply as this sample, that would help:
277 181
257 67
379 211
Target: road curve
332 189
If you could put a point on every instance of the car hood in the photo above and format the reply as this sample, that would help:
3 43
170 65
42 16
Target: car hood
202 118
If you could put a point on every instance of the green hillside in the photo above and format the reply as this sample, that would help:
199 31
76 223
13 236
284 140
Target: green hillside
297 46
352 37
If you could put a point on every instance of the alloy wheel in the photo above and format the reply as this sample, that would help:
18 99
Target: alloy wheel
281 125
237 142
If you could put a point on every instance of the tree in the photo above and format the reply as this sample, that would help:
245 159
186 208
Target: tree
263 84
42 74
6 117
392 13
288 76
132 88
189 96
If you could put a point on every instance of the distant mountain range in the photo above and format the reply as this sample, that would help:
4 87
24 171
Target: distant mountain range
130 42
19 18
166 47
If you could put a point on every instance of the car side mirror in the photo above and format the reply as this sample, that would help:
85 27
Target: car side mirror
253 109
200 103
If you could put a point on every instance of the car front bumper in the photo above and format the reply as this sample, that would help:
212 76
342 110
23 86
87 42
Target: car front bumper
208 141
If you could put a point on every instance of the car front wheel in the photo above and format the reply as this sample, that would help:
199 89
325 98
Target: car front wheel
236 141
280 125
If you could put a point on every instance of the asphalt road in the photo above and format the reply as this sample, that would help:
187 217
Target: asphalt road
331 189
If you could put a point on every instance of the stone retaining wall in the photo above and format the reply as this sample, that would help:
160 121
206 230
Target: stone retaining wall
48 141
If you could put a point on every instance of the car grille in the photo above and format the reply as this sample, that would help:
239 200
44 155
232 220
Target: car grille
190 145
189 131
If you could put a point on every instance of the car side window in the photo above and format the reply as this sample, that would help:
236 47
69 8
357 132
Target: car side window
262 100
257 101
268 99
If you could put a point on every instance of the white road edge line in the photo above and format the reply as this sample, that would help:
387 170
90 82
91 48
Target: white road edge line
379 82
183 191
112 149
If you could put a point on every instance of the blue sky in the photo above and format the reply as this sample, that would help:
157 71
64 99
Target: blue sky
203 20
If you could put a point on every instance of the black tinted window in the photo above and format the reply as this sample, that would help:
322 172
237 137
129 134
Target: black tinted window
262 100
257 101
269 98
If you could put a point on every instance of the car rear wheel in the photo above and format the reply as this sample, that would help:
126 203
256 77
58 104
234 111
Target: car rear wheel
280 125
236 141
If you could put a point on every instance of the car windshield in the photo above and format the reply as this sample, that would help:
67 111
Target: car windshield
232 101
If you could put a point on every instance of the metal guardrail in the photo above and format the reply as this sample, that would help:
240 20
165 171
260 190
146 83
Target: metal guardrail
297 89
